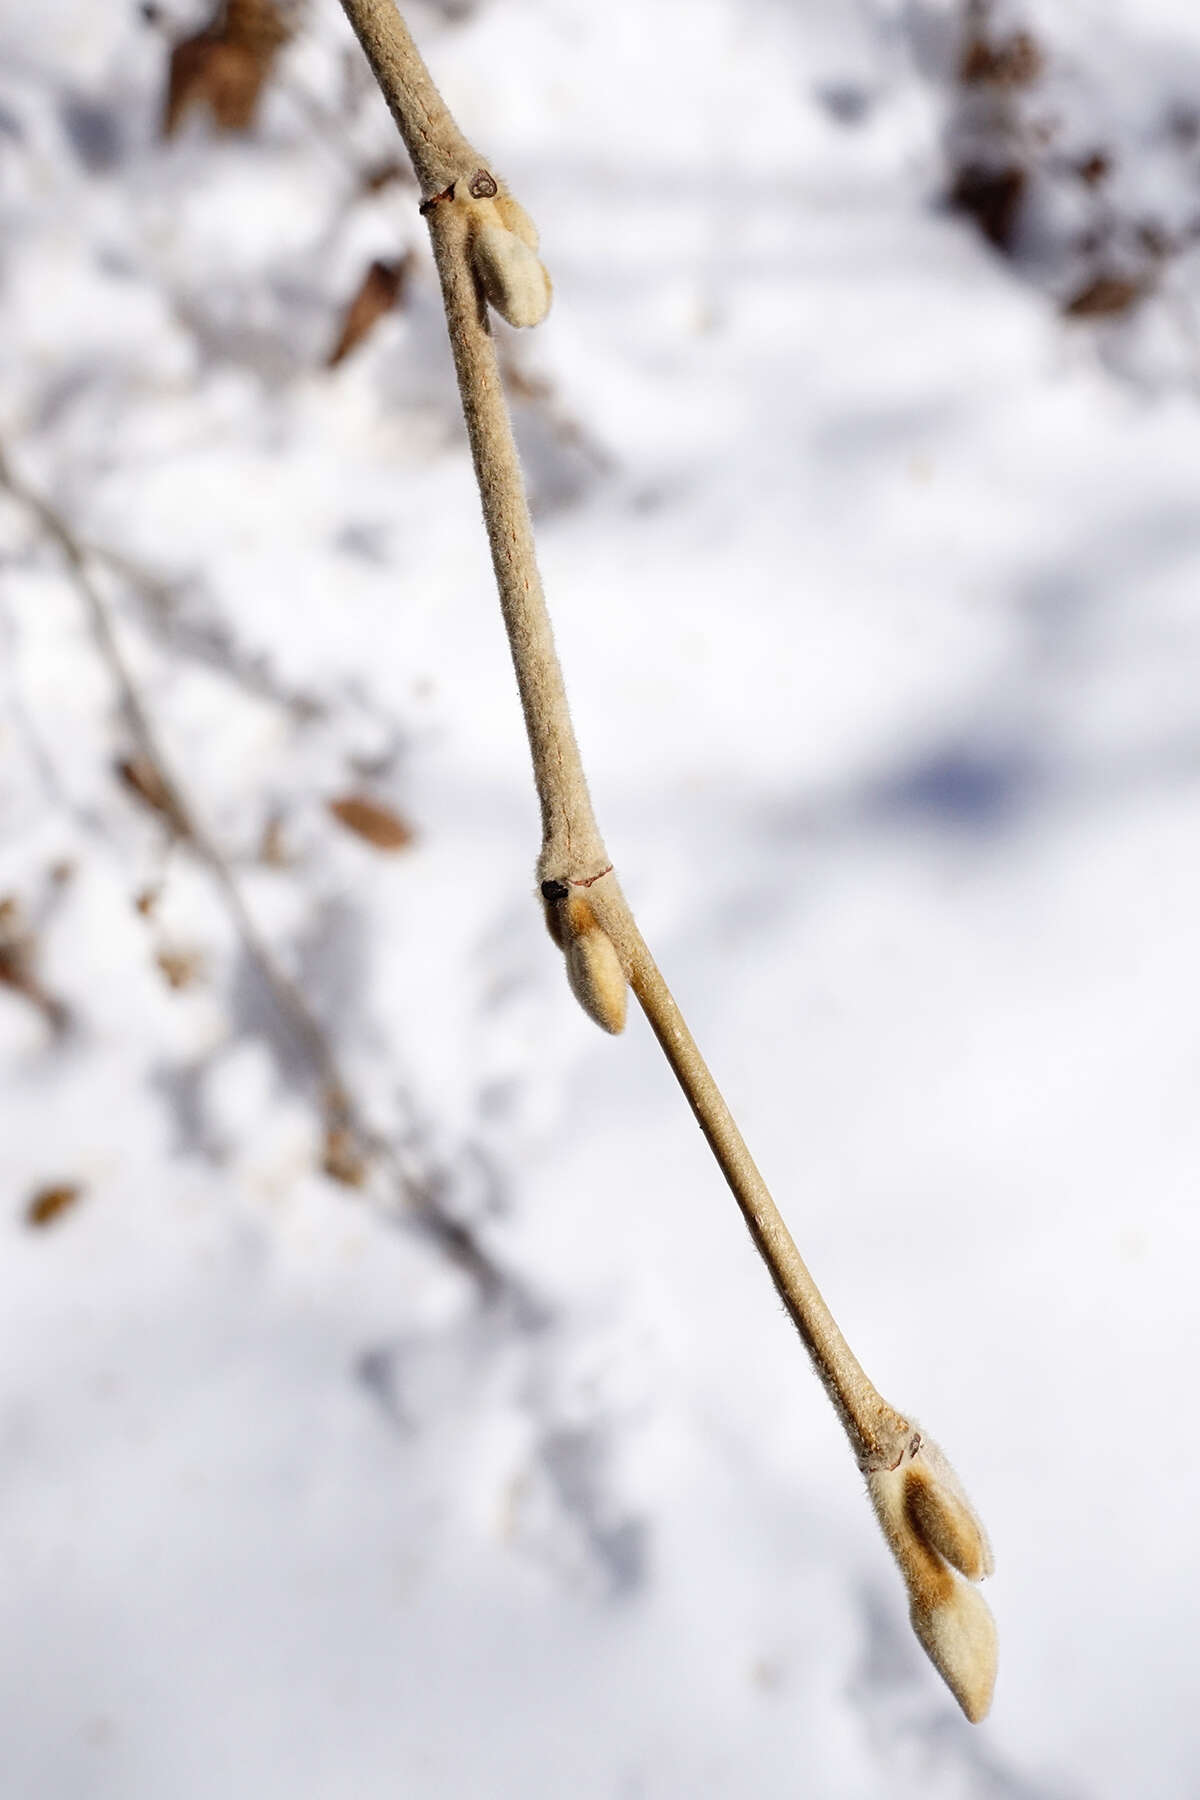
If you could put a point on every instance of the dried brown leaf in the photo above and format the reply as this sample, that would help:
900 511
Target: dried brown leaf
1093 169
143 778
18 964
1105 297
261 25
12 923
205 71
180 967
18 948
50 1202
1014 62
992 196
225 67
382 287
368 819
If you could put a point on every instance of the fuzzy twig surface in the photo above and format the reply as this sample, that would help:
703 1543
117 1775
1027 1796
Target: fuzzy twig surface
472 217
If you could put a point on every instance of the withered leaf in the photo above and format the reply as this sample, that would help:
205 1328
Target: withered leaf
1095 168
51 1201
368 819
1105 298
143 778
382 288
16 943
226 78
180 967
18 964
993 198
1014 62
225 66
18 949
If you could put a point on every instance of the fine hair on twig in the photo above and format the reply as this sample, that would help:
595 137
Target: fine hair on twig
486 250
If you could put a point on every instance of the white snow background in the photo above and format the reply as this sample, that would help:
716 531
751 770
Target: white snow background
875 583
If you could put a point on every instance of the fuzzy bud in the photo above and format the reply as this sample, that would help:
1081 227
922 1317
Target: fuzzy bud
514 217
959 1637
932 1530
510 274
940 1512
593 966
597 978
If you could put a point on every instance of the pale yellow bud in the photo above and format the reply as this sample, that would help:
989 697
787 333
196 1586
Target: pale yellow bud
513 215
940 1512
513 279
959 1637
593 966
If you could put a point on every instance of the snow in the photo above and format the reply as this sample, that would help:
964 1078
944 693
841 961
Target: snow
875 586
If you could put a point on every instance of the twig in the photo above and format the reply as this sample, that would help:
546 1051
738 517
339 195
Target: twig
205 643
289 1001
350 1140
482 243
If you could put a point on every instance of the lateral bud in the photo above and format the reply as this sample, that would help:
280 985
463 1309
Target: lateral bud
593 967
512 277
514 217
940 1512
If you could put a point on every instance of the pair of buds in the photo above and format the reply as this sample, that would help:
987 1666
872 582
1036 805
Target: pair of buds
503 244
932 1531
593 966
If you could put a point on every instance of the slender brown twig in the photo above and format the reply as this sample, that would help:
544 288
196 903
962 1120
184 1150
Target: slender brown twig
351 1143
484 246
